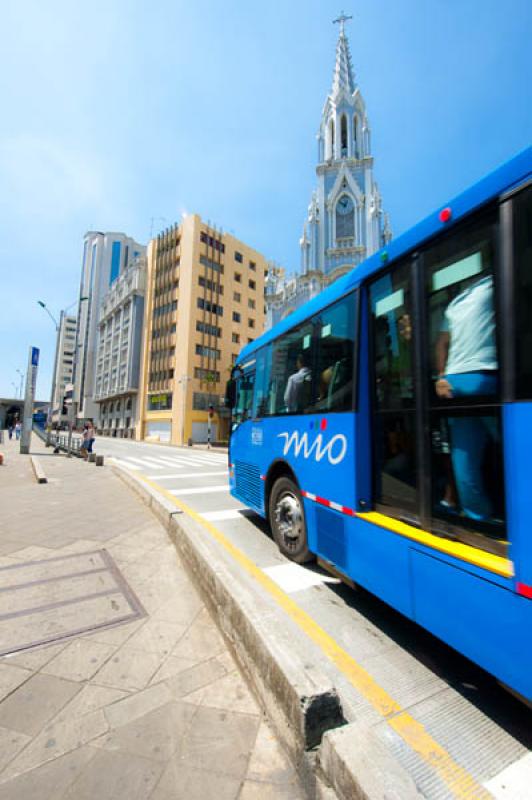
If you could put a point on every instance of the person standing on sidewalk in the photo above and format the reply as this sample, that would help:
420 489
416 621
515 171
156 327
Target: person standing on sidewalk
18 429
91 436
85 441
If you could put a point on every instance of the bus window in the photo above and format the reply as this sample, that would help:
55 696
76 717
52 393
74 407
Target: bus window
522 214
466 439
290 386
394 420
335 345
262 381
244 396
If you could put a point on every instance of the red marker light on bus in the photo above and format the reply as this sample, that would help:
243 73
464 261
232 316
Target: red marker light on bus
445 214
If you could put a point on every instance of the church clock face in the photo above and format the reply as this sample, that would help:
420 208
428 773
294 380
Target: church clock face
345 205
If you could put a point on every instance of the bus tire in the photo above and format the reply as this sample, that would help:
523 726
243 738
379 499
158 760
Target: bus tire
287 521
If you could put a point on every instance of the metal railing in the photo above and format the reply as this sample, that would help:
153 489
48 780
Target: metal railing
59 441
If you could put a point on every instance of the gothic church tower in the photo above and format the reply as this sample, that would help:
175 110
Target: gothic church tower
345 221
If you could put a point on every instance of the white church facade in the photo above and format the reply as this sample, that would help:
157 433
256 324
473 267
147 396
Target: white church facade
345 222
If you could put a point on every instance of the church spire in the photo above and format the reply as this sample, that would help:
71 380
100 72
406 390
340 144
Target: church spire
343 79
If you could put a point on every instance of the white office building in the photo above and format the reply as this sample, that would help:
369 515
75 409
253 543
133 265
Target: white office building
64 363
119 351
105 257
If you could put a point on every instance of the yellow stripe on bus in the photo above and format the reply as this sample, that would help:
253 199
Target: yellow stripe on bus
464 552
458 780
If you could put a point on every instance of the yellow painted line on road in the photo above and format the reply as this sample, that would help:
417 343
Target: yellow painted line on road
413 733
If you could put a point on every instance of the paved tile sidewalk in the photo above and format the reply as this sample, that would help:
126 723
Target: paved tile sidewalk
153 708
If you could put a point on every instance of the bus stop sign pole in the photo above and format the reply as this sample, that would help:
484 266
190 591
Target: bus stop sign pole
29 397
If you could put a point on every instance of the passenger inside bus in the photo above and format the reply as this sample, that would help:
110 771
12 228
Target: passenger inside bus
466 364
298 387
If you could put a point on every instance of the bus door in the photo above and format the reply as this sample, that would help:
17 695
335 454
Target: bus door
463 385
246 474
392 365
434 353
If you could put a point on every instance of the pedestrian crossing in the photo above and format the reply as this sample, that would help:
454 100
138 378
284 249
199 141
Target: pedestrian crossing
157 463
193 477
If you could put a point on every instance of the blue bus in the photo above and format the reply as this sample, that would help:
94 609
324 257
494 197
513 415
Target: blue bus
385 427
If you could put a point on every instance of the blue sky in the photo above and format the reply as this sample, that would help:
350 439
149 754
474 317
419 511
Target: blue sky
116 114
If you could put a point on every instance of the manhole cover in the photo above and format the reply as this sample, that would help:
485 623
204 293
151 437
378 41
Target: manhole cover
57 598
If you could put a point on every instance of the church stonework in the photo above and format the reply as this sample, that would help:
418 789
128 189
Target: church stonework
345 222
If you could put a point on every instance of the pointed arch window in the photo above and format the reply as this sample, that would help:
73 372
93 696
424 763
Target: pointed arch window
331 139
343 136
345 218
356 136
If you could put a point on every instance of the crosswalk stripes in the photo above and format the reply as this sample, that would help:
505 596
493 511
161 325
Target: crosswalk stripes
200 490
142 461
186 475
122 463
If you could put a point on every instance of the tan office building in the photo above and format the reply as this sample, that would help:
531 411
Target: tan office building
204 301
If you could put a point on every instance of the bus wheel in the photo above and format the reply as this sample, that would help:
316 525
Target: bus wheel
287 520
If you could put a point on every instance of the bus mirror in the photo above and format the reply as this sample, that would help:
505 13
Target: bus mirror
230 393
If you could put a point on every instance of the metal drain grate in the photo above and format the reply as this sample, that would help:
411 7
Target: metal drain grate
57 598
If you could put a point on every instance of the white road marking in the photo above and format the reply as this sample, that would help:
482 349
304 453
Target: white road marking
123 463
514 782
229 513
144 462
295 578
185 475
185 460
200 490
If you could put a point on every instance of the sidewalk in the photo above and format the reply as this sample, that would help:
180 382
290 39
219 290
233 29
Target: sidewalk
150 707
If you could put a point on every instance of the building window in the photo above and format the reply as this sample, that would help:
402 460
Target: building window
238 277
160 402
252 266
252 284
251 304
208 306
211 285
238 257
209 352
208 262
236 338
251 323
250 340
236 297
343 134
209 375
234 358
211 330
216 244
236 316
201 401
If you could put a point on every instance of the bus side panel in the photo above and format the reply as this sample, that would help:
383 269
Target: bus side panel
245 483
487 623
517 427
378 560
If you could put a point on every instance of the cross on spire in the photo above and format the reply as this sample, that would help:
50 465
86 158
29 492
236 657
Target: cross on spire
341 20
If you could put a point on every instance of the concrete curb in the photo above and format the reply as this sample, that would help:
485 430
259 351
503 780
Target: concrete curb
334 759
40 475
